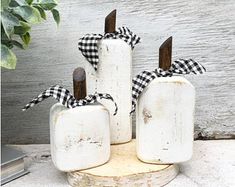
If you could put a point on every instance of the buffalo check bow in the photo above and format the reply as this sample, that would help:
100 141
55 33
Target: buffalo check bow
143 79
89 48
68 100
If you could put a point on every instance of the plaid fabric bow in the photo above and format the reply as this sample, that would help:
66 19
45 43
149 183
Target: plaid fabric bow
89 48
143 79
65 98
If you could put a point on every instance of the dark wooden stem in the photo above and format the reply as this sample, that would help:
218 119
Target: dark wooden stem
165 53
110 22
79 83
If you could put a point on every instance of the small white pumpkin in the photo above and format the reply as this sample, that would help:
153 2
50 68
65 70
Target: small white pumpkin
80 137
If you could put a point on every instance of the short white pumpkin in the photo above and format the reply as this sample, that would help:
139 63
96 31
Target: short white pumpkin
80 137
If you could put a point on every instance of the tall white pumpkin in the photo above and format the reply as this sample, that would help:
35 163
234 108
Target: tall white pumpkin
114 76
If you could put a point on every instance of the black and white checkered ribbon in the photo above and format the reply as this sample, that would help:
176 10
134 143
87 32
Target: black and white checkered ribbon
89 48
143 79
68 100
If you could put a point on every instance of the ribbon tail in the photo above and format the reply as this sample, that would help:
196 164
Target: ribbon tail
94 98
133 106
109 97
128 36
59 93
187 66
89 48
139 83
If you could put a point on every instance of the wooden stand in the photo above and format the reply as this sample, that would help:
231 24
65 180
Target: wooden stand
124 169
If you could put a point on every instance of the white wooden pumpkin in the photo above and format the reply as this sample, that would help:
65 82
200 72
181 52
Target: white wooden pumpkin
165 116
165 121
80 137
114 76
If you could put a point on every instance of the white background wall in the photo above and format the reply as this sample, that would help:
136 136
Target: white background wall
203 30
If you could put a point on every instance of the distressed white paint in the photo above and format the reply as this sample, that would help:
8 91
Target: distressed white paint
114 77
80 137
203 30
165 121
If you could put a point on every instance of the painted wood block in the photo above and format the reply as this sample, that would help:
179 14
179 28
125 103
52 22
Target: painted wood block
80 137
124 170
114 76
165 121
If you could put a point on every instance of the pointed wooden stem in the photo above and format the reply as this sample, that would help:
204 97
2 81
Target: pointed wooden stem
110 22
79 83
165 53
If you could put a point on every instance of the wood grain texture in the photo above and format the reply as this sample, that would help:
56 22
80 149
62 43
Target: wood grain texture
165 54
110 22
202 30
124 169
79 83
